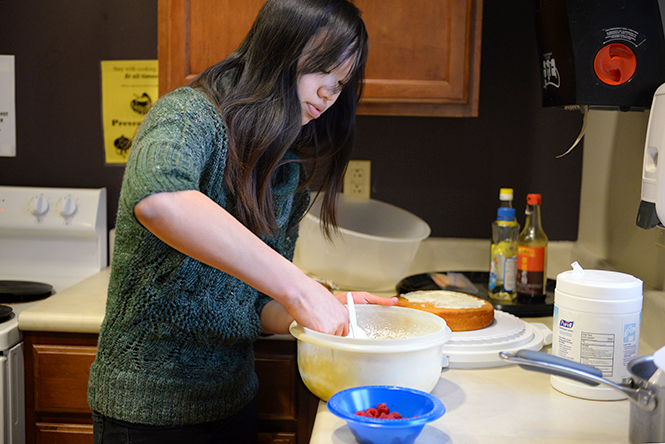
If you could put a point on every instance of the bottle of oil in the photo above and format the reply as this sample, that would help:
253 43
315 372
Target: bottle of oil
503 255
532 255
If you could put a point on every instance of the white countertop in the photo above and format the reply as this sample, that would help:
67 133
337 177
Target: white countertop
77 309
504 405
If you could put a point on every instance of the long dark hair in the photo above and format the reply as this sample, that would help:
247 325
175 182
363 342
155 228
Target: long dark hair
255 89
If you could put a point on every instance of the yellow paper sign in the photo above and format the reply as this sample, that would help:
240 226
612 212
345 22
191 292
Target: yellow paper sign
129 88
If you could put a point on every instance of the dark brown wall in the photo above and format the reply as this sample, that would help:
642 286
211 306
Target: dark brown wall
446 170
58 46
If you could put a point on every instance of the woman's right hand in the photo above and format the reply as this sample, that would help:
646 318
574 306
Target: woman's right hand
310 304
318 312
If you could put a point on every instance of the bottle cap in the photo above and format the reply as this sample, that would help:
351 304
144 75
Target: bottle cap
504 213
533 199
506 194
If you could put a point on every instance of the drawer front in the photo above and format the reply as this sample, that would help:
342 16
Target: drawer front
52 433
278 438
61 377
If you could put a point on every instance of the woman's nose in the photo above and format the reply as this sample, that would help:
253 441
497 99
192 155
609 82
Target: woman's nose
326 93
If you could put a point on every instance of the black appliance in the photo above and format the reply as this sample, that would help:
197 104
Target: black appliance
604 54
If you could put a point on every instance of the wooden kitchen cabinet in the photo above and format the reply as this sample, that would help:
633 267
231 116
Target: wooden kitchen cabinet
424 54
287 409
57 367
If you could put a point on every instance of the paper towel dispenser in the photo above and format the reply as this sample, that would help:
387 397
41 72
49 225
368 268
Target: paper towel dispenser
603 54
651 212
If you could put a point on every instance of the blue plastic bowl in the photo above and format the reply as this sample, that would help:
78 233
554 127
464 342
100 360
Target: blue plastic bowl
416 407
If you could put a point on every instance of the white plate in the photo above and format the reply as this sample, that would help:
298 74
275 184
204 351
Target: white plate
504 325
480 348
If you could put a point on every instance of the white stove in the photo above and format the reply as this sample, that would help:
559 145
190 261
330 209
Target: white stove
49 237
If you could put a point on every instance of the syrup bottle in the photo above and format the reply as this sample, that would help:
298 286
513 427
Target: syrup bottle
532 255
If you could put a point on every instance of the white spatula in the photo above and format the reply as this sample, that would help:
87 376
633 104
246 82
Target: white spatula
355 331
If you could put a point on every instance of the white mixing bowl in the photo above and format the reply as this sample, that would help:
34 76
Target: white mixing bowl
407 353
376 245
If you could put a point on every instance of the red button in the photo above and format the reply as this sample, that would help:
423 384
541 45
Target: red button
615 64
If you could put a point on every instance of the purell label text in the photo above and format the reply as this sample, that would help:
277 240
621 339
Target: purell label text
566 324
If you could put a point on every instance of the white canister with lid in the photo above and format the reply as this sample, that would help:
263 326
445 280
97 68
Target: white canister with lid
597 316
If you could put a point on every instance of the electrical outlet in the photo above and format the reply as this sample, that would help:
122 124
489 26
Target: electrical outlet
357 179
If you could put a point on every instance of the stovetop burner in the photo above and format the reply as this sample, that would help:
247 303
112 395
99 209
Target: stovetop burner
23 291
6 313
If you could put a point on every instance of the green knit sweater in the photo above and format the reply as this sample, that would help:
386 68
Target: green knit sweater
175 346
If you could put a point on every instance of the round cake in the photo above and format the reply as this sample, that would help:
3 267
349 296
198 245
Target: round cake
461 311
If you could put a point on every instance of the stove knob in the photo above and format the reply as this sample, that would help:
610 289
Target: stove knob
67 207
38 206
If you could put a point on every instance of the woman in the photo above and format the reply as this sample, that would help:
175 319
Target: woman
215 185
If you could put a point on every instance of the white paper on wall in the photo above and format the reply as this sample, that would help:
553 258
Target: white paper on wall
7 107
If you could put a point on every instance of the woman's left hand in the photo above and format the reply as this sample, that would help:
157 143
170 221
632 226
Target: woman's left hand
363 297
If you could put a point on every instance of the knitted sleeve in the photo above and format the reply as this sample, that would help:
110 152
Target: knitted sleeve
172 146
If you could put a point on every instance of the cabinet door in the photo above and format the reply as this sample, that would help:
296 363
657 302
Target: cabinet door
286 408
61 375
278 391
57 367
195 34
424 56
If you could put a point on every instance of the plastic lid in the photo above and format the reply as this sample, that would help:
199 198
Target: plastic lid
615 64
599 284
506 194
533 199
504 213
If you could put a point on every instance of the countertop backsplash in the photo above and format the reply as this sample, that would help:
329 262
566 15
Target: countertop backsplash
452 254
